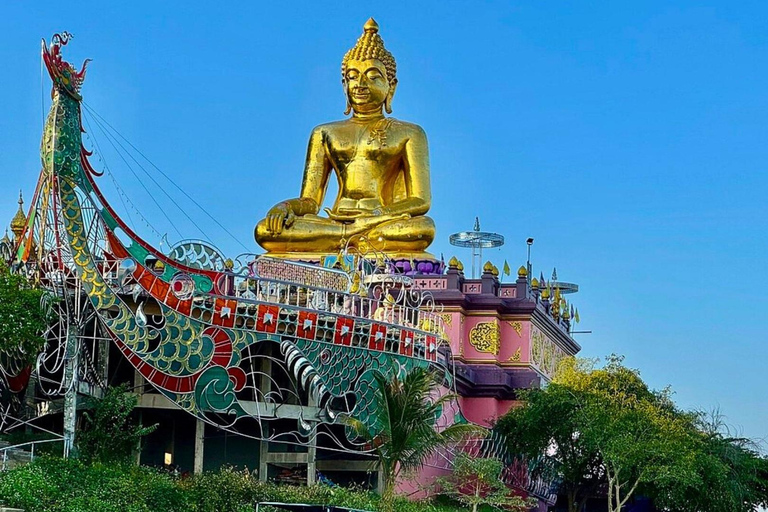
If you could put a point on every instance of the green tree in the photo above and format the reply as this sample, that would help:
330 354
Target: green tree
641 438
403 433
23 318
109 434
550 420
478 482
733 475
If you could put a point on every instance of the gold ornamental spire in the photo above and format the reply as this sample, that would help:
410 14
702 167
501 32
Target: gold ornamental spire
19 220
370 45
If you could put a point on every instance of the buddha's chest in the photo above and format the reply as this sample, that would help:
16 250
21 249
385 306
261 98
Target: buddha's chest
379 146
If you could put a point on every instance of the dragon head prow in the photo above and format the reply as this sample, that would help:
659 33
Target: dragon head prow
64 75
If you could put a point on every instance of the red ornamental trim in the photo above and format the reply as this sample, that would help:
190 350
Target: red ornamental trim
431 348
222 345
307 325
224 311
378 337
154 285
222 356
344 328
267 319
161 380
17 383
406 342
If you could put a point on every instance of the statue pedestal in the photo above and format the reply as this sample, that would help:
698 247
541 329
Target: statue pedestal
408 263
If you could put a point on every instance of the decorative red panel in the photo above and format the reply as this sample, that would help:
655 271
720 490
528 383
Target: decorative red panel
267 320
344 327
307 325
431 348
224 311
378 337
406 342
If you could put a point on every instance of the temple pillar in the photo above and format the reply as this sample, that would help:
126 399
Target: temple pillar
199 446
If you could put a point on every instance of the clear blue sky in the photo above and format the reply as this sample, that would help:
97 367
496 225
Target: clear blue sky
628 139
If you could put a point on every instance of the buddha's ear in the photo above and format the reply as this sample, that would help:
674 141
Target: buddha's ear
390 94
346 97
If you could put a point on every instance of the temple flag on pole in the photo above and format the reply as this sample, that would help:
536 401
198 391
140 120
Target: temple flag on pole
507 270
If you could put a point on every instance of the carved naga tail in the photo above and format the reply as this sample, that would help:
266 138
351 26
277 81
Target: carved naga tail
210 340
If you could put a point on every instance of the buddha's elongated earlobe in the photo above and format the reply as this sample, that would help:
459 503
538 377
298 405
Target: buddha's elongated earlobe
346 97
390 94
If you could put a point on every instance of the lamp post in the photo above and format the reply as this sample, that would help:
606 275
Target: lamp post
528 264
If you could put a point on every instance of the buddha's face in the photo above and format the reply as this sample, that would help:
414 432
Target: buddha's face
366 85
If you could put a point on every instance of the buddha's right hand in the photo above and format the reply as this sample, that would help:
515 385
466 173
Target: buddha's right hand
280 215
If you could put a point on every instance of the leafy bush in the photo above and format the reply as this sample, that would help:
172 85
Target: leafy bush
70 485
110 436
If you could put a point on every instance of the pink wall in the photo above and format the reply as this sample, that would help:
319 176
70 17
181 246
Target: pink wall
483 410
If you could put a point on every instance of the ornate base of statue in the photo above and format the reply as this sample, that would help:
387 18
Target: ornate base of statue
409 263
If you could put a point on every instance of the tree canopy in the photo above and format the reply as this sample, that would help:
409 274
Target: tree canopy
22 316
613 435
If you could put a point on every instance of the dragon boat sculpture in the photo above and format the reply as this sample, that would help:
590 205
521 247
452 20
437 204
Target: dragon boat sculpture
208 336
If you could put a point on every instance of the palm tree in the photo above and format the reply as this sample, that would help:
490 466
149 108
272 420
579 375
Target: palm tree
402 431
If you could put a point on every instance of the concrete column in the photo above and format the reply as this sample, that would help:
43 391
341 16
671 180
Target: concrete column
138 382
70 398
138 452
263 456
103 360
312 451
311 467
199 446
265 385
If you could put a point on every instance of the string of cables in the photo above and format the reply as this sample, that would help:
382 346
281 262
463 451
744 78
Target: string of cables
120 144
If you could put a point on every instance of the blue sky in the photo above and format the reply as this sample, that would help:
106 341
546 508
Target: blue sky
628 140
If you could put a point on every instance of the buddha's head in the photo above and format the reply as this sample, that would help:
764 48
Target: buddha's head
368 73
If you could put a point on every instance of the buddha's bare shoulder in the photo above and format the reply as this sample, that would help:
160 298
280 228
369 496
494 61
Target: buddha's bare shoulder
410 130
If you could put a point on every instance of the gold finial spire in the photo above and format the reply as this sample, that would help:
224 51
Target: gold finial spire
370 45
453 262
522 271
19 220
488 267
371 26
535 283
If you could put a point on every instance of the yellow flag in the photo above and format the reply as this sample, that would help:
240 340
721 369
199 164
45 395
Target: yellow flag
507 270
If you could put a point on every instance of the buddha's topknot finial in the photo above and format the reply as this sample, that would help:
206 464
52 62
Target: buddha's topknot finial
371 26
371 46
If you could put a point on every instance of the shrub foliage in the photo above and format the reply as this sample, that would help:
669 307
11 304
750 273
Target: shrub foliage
71 485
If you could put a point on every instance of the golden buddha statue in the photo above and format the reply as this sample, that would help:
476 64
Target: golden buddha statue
382 166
